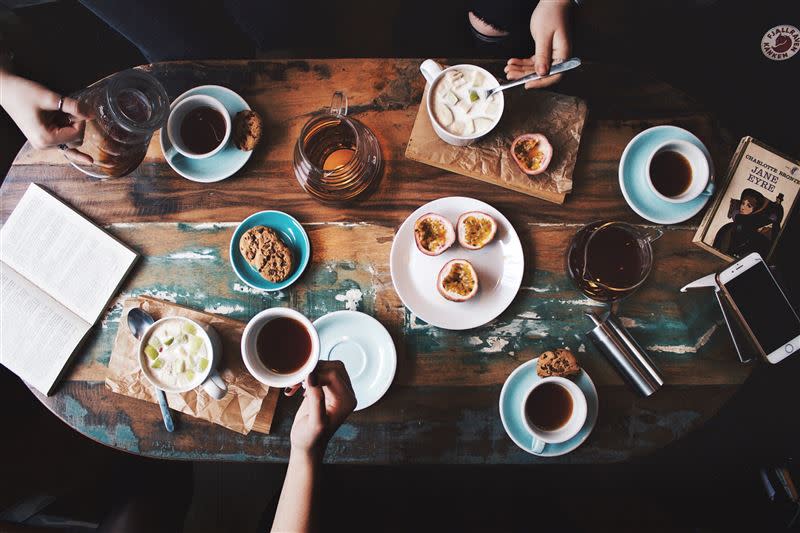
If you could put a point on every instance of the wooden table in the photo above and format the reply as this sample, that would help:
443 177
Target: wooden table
443 405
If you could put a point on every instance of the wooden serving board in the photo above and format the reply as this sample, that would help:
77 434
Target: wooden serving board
248 406
560 118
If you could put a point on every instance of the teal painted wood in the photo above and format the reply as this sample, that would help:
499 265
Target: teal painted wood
443 405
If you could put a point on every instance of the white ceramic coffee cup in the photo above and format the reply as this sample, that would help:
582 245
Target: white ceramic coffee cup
179 112
433 72
250 353
570 428
701 175
210 380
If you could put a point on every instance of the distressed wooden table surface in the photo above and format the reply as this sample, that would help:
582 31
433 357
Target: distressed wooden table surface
443 404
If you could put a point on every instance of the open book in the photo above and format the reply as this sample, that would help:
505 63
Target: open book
58 272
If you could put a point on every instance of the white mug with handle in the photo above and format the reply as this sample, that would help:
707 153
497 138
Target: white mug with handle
568 429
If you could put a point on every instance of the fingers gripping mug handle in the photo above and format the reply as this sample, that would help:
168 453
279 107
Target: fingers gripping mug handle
215 386
339 103
430 69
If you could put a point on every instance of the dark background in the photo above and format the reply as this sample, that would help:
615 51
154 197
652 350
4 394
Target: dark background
706 482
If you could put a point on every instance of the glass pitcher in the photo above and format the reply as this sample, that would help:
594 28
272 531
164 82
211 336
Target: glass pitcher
609 260
126 109
337 158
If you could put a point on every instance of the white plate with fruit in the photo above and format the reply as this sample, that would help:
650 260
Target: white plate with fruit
456 263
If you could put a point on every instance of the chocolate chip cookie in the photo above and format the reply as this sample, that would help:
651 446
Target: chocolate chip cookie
263 248
559 362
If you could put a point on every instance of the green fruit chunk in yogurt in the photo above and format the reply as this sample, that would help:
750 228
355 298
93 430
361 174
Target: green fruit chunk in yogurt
154 342
158 363
203 364
189 328
168 341
151 352
190 375
195 343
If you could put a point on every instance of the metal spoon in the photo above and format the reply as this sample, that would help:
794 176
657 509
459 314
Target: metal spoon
139 322
569 64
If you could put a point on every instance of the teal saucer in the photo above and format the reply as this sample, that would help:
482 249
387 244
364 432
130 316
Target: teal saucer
517 385
224 163
633 177
292 234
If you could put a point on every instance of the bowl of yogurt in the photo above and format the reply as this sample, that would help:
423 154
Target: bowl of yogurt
177 354
458 112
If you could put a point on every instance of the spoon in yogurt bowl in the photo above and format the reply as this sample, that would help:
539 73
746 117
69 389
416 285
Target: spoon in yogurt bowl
139 321
482 94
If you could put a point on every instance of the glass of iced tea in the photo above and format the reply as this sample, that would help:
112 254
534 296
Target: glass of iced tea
337 159
609 260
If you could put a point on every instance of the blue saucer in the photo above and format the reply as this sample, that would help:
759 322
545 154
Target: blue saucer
224 163
292 234
518 383
633 177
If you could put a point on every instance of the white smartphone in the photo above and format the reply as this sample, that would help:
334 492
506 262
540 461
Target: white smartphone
763 306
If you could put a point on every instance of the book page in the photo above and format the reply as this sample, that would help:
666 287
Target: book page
37 334
64 254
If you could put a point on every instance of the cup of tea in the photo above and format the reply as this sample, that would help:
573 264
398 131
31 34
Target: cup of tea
554 410
199 126
678 172
280 347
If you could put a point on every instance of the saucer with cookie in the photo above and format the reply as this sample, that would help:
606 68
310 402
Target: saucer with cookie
549 405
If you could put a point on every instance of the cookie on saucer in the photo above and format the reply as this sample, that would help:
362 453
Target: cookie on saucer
559 362
263 248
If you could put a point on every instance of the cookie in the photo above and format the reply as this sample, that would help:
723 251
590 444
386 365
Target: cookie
559 362
263 248
246 130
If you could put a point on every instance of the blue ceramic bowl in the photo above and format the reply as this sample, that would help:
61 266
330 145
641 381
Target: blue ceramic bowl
290 231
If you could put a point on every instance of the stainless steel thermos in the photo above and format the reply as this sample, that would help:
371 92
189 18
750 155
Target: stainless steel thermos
625 354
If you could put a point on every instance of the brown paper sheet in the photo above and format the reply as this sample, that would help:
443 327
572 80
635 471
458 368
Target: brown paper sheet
560 118
248 405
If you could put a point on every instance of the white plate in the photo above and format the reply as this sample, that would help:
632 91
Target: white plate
500 266
365 348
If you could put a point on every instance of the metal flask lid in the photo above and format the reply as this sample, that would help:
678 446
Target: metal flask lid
625 354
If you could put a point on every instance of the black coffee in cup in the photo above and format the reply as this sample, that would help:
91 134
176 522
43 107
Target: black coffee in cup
548 407
202 129
283 345
671 173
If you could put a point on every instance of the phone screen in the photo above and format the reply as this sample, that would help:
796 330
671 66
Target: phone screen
764 307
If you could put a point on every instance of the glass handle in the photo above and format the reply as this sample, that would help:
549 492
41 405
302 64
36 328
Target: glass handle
654 235
339 103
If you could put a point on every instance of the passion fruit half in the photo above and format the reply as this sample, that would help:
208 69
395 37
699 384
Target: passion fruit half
433 234
475 230
532 153
458 281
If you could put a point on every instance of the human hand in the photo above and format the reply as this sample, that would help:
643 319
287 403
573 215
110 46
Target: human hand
35 110
329 400
550 31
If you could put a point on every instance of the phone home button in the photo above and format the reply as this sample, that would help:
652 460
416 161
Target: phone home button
789 348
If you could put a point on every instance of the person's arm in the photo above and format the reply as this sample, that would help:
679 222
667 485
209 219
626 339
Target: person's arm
46 118
329 399
550 31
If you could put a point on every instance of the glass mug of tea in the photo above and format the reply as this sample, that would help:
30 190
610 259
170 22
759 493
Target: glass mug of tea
126 109
554 411
337 158
609 260
280 347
